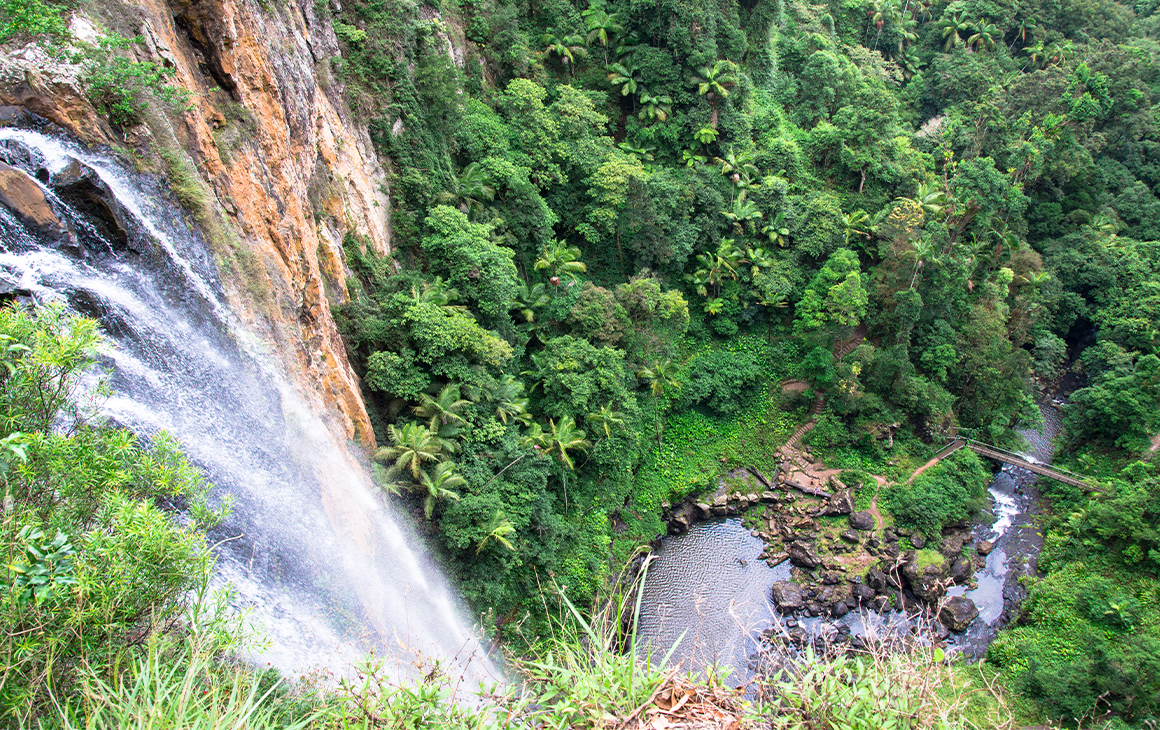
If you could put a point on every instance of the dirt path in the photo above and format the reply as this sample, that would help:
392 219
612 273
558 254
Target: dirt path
879 523
921 469
1155 443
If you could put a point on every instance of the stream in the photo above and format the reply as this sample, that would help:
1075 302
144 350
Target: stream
707 587
1017 541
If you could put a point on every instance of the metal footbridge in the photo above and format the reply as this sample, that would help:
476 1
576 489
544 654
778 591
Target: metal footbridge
1014 459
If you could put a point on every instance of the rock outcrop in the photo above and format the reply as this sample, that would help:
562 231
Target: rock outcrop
20 194
862 521
787 596
287 172
928 582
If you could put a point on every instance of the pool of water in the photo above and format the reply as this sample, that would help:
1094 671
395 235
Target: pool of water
709 589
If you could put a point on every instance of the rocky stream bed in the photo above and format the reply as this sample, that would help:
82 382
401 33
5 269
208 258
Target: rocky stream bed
789 559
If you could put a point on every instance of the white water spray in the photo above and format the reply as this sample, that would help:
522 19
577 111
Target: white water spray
311 550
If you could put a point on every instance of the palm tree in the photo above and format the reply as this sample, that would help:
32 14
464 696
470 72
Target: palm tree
528 299
910 62
437 292
602 27
1026 25
411 446
539 372
984 36
717 266
438 485
777 230
706 135
738 165
625 78
498 528
713 82
923 251
660 378
444 408
469 190
561 258
951 26
759 259
930 198
1058 52
1106 224
690 158
1036 55
743 215
1036 279
567 48
558 440
508 396
886 10
447 434
654 108
605 418
857 223
642 154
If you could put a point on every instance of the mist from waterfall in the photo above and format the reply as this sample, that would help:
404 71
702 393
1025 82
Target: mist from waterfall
325 569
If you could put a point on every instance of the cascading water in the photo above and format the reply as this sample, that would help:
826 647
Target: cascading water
309 547
1015 538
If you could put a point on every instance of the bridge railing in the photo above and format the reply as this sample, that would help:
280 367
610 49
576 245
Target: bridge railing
1021 458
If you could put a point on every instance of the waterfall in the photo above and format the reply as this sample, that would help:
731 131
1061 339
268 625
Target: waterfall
311 550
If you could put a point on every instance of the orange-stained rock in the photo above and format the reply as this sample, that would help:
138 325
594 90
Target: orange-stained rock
20 194
290 171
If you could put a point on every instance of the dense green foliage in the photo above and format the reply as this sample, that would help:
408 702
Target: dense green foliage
119 85
1091 643
947 492
94 565
620 225
24 18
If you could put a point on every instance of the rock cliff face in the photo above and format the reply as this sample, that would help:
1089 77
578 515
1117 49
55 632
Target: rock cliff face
287 173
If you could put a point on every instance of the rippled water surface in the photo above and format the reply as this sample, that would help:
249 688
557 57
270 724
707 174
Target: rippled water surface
709 585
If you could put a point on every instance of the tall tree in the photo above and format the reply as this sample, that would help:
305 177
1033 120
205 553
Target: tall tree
661 378
558 441
438 484
469 190
713 82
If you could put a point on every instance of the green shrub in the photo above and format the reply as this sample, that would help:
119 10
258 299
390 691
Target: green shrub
946 492
30 18
118 86
94 565
722 380
1089 643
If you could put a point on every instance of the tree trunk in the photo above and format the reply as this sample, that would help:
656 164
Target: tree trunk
657 418
564 483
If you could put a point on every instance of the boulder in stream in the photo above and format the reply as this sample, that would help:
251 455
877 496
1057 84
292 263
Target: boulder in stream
958 613
20 194
787 596
927 573
962 571
803 555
